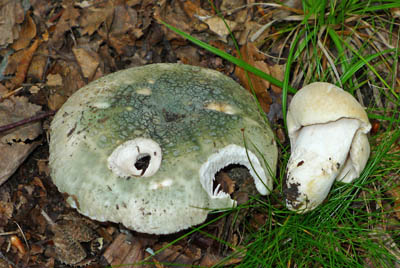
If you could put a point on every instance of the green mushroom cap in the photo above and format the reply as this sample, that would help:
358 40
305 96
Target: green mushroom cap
141 146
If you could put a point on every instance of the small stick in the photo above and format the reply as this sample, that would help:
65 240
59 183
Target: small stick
9 94
28 120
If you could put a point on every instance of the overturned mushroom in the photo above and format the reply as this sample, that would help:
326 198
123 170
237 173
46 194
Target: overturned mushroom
141 146
328 135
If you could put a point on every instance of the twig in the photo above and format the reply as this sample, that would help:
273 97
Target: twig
9 94
23 235
28 120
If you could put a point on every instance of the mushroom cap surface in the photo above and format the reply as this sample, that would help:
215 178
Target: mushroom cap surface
321 102
197 117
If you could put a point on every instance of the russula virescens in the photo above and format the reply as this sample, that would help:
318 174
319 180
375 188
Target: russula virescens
141 146
328 130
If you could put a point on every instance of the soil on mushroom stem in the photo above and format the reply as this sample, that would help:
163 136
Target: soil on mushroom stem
30 190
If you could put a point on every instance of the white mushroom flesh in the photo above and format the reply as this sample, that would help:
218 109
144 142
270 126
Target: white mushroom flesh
319 154
232 154
125 158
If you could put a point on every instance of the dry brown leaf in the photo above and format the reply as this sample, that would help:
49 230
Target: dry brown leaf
185 256
188 55
69 18
54 80
15 109
175 16
6 206
72 79
23 65
251 55
11 13
88 60
211 260
278 72
124 30
55 101
27 33
124 251
13 150
38 63
227 185
93 16
218 26
193 10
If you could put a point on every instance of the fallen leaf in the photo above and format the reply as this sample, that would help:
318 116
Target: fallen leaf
193 10
188 55
11 13
6 206
69 18
13 150
124 251
227 185
217 25
54 80
27 33
23 65
124 30
55 101
88 60
15 109
93 16
174 15
251 55
278 72
38 63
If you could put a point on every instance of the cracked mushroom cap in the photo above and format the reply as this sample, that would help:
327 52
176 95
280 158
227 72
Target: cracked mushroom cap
141 146
328 130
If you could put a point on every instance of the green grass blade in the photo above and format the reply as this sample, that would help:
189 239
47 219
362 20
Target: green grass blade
361 63
234 60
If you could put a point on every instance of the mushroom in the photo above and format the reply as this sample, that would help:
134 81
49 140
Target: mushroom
141 146
328 130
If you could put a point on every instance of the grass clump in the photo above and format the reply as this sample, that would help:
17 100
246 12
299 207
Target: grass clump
355 45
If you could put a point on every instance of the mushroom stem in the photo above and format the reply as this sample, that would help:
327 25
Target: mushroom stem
319 153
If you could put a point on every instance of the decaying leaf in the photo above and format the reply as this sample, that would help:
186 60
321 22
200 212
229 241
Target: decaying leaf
6 206
38 63
23 65
218 26
124 251
11 13
88 60
227 185
27 33
13 146
278 72
251 55
93 16
69 18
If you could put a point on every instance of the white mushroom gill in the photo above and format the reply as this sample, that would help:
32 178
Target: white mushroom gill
232 154
125 159
318 156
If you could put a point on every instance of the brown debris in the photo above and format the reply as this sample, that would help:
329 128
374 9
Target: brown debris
27 33
252 56
124 251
